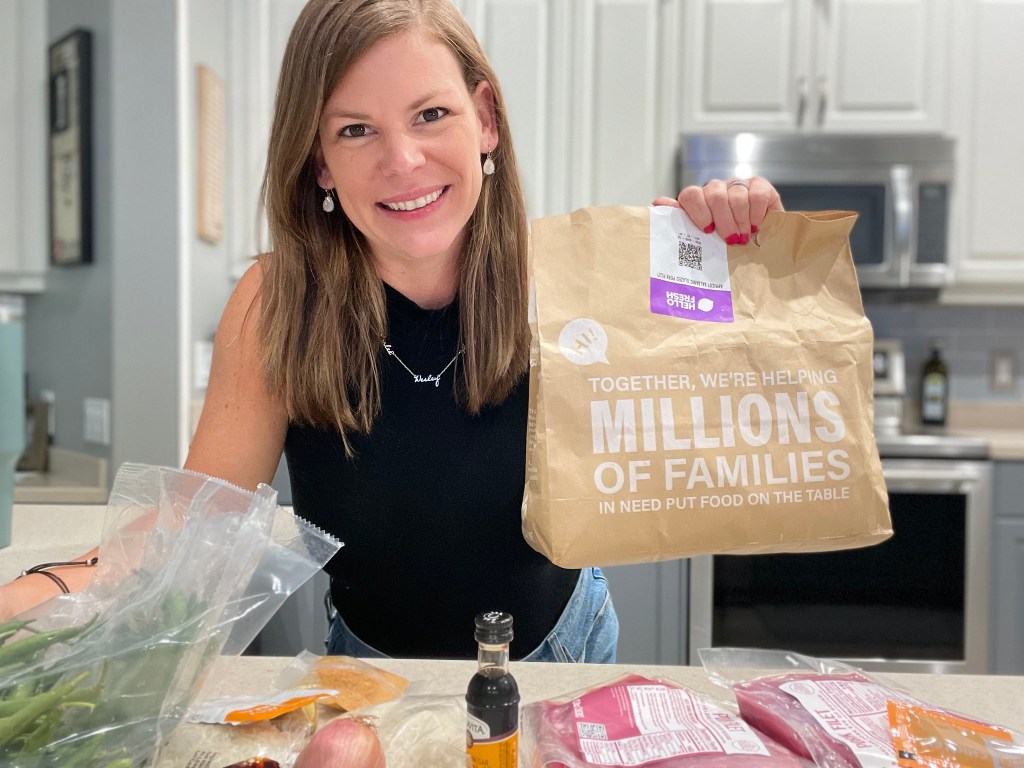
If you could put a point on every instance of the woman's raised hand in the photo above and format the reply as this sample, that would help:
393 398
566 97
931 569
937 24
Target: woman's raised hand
734 207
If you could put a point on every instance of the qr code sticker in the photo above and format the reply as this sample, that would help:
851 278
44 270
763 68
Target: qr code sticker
690 253
592 731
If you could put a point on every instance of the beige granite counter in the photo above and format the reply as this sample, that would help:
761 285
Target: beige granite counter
1000 424
72 478
49 533
995 699
1003 444
999 699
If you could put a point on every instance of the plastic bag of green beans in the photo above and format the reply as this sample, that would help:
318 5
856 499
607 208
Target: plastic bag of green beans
189 567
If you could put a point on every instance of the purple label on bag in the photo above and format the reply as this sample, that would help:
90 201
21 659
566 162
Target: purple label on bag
688 301
689 269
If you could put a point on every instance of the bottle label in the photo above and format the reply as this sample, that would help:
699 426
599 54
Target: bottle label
501 752
933 405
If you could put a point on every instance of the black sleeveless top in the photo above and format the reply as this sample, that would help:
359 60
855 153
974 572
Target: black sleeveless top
429 508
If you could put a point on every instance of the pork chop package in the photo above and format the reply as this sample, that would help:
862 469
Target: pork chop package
636 720
827 711
687 398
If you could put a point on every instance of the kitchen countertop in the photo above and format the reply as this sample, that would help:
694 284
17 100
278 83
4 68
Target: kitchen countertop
1001 424
998 700
1003 444
72 478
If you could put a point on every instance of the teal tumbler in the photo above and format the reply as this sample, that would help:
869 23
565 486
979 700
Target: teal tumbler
12 416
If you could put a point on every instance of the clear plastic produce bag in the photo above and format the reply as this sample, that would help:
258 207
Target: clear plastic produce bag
190 567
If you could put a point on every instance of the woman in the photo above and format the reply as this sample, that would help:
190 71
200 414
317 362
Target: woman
383 345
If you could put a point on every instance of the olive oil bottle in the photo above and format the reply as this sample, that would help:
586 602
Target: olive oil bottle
935 388
492 698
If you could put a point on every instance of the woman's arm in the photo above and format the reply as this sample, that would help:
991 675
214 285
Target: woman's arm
242 427
239 438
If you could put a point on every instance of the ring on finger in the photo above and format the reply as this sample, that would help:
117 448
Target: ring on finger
737 182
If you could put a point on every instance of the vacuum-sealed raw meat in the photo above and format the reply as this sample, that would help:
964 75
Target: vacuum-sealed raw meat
637 721
837 720
824 710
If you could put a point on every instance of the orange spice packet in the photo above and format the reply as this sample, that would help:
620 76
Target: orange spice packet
357 683
928 738
240 710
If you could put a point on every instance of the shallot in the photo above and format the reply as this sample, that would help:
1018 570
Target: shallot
342 743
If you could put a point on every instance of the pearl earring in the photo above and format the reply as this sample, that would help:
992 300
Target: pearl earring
328 201
489 165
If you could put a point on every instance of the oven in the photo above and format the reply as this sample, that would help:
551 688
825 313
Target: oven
917 602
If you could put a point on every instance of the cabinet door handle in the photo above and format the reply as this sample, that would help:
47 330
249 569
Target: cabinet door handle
822 99
801 95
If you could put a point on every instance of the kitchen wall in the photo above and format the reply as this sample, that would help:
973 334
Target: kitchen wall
116 328
970 335
146 290
68 328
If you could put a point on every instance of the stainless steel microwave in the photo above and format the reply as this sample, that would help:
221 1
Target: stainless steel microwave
901 186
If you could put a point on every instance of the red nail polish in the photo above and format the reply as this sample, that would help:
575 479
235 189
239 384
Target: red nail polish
753 228
709 228
744 239
732 240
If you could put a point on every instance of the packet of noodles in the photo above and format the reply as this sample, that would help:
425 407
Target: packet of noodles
939 739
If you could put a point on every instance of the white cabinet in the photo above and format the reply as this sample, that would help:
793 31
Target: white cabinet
815 65
23 132
258 33
526 43
987 122
591 91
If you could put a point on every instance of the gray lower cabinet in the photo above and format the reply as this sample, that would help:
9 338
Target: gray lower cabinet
651 603
1006 611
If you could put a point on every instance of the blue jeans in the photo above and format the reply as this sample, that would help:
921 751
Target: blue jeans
587 630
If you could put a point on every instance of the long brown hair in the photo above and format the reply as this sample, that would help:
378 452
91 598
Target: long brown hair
323 315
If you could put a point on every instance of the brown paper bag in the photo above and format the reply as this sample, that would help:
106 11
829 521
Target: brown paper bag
688 399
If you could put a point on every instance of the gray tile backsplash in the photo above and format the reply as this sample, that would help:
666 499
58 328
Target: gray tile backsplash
970 336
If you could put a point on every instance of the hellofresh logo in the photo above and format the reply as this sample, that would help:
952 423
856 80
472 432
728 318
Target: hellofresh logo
583 341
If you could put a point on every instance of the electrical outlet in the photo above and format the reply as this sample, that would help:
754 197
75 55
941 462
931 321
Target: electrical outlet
1002 376
97 420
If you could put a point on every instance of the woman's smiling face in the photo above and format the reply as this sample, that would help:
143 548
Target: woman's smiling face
400 142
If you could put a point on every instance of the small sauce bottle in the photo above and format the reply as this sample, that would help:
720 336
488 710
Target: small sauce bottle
935 388
492 699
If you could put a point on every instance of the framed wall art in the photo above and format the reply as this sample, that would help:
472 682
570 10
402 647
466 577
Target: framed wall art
70 71
34 459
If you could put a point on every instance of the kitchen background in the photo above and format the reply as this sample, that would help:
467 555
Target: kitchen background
599 92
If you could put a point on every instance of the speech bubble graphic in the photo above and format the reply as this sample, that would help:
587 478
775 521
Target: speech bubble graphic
583 342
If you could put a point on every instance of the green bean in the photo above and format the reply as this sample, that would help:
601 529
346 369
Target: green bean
10 628
14 725
12 705
40 737
29 646
82 754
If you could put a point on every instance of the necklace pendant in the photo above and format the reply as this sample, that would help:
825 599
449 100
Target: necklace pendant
434 378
